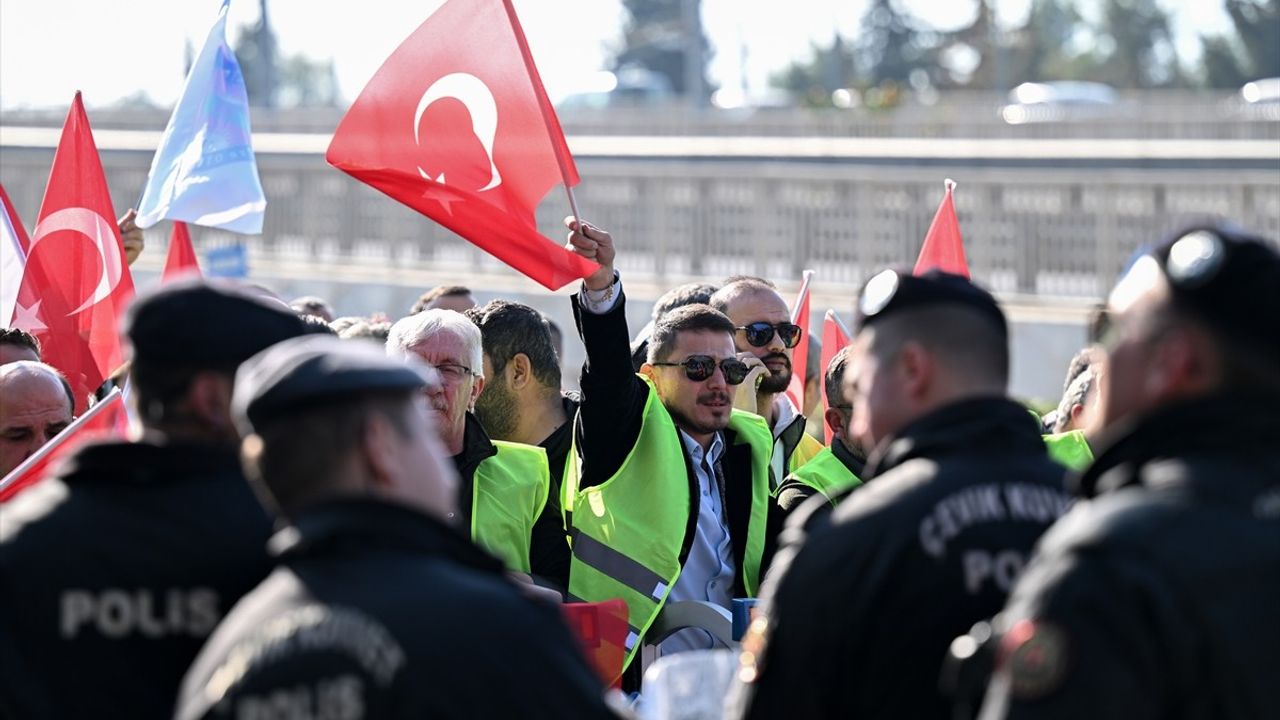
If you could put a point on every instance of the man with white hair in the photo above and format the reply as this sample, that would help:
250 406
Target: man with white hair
37 405
503 485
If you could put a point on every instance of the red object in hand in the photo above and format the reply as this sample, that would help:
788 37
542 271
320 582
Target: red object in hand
943 247
601 629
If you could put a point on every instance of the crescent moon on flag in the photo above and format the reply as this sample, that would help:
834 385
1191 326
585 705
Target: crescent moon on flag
100 232
472 92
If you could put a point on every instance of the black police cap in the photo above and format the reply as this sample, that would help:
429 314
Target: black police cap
892 291
1229 279
199 324
315 370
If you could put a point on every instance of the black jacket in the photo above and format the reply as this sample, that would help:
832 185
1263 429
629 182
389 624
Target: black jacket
377 607
114 573
861 611
549 552
1160 597
610 416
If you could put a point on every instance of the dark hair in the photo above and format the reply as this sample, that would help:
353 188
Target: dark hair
159 386
311 306
436 293
736 286
20 338
557 336
684 319
834 378
366 330
316 325
965 339
508 328
299 456
687 294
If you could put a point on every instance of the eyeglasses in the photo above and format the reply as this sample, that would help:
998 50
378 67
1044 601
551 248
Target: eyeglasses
454 372
760 333
700 367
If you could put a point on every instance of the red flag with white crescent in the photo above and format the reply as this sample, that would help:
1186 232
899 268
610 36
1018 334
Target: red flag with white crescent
834 338
456 125
800 355
13 256
77 282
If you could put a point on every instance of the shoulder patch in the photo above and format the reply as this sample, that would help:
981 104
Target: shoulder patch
1033 654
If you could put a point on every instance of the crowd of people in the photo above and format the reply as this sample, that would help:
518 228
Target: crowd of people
354 517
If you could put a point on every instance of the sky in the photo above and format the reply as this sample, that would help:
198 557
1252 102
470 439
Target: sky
113 50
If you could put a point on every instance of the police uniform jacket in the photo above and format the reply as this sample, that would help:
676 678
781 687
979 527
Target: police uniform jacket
113 574
1159 597
860 611
379 611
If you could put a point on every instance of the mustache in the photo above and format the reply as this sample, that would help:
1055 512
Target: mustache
777 356
714 396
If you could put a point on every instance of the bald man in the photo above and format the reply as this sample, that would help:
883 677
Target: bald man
37 405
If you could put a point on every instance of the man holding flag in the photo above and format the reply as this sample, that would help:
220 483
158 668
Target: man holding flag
114 571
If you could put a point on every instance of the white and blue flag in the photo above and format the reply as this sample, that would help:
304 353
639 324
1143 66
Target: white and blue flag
204 171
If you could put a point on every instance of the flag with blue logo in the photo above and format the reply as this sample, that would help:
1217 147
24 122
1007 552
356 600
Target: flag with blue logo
204 171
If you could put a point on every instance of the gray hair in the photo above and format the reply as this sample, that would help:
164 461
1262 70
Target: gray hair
1077 394
410 332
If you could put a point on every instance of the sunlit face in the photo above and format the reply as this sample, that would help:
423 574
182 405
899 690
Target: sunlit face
33 408
698 407
876 393
429 478
459 386
768 307
497 408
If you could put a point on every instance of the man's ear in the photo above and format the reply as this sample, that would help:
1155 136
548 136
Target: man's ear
647 370
835 420
379 451
519 372
477 387
208 398
916 368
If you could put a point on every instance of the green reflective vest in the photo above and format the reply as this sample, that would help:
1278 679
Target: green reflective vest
1069 449
630 534
508 494
826 474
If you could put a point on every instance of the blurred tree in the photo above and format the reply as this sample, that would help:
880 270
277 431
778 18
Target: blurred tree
664 37
888 48
826 70
1253 52
256 53
1141 52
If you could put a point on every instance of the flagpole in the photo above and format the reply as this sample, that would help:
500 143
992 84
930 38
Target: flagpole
53 443
573 206
804 286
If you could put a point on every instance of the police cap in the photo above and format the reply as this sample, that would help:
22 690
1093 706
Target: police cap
197 324
1228 279
892 291
315 370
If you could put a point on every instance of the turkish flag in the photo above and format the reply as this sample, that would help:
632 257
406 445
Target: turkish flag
943 247
834 337
107 419
456 125
800 355
77 282
180 262
13 256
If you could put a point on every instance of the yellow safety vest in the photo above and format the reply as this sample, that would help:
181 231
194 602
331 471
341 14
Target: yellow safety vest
1069 449
630 534
508 494
826 474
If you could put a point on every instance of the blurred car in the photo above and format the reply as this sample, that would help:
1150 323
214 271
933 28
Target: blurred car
1260 100
1058 102
628 87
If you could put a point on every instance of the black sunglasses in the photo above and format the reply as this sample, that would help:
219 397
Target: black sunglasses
700 367
760 333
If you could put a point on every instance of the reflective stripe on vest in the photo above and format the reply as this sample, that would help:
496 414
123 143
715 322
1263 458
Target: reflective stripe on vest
630 533
826 474
1069 449
508 493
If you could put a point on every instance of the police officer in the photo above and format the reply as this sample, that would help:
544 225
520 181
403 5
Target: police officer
857 621
838 466
377 608
114 572
1159 596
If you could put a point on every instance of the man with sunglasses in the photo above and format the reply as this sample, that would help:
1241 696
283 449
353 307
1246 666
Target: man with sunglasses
1157 596
503 486
858 612
667 493
765 337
